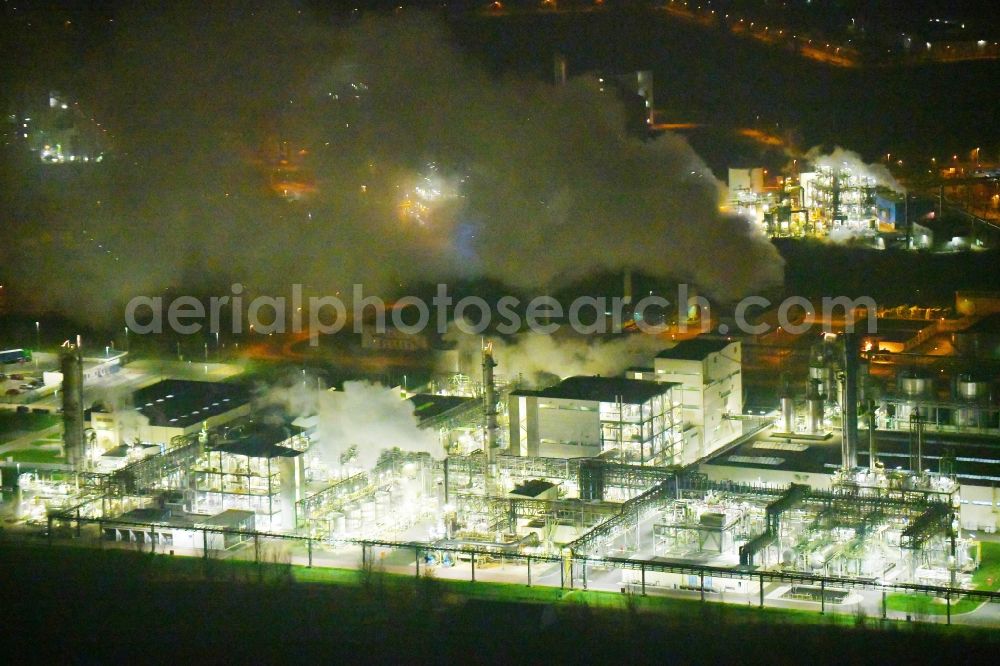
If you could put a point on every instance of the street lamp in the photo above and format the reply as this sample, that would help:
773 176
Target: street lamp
38 342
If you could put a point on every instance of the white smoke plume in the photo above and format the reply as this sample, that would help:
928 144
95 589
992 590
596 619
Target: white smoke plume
372 418
118 401
841 157
844 235
296 398
130 423
426 166
537 358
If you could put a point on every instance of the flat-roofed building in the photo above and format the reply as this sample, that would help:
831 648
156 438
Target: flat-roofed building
710 374
164 529
257 466
176 407
630 420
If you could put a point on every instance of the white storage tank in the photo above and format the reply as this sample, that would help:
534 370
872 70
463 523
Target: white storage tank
353 517
368 511
914 383
971 387
383 505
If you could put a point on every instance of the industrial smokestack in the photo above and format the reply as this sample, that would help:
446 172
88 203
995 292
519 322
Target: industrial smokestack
490 401
787 407
74 441
291 470
788 413
819 374
849 406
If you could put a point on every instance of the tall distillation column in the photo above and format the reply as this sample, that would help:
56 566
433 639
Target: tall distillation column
849 405
490 403
74 441
815 400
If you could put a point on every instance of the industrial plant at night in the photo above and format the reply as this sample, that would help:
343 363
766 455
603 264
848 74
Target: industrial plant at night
509 331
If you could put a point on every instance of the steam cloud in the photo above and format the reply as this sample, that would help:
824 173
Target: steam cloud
538 358
427 168
118 401
364 415
372 418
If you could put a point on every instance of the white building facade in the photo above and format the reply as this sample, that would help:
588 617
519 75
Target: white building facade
709 373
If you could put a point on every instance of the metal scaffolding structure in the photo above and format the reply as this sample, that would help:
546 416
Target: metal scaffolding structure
331 498
311 511
795 494
628 517
536 467
503 513
149 473
937 519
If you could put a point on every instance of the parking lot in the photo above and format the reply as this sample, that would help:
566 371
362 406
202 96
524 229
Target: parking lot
16 381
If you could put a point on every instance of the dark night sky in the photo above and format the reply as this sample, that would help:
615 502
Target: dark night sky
538 184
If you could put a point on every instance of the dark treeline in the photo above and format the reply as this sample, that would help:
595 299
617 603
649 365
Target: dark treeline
93 606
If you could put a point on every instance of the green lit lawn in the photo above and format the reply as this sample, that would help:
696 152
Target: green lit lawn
181 567
986 577
14 424
323 575
87 563
35 455
513 592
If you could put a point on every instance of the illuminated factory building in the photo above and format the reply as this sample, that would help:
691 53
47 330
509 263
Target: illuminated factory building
710 378
256 467
827 200
658 465
582 417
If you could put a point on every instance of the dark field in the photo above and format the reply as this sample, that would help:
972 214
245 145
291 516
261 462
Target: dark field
88 606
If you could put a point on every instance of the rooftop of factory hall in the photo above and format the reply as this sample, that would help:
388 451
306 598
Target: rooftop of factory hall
602 389
970 458
258 439
429 405
695 349
177 403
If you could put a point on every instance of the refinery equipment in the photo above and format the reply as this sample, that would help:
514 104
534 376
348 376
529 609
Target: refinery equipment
490 403
849 403
967 406
597 468
973 395
74 438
